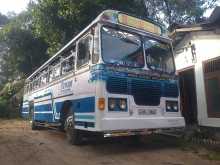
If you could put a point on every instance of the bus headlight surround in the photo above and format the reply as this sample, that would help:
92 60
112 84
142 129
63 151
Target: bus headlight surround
117 104
175 107
171 106
123 104
111 104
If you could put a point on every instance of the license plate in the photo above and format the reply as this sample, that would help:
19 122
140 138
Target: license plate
147 111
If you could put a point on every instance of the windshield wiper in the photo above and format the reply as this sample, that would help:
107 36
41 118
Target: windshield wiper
129 41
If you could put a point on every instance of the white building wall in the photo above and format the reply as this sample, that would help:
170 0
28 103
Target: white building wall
207 45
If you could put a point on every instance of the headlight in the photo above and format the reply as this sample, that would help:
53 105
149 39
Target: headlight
171 106
117 104
175 107
111 104
123 104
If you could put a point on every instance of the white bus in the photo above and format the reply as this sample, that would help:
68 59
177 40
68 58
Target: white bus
116 77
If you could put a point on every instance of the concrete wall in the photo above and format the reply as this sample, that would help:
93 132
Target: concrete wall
207 45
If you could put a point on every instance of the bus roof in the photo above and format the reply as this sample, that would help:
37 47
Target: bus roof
115 17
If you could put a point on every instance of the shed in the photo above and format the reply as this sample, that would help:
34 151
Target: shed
197 58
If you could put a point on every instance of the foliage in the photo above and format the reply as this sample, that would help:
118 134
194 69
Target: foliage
3 20
10 99
25 51
21 52
171 12
58 21
4 108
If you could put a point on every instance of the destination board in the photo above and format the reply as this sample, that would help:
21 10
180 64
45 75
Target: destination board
139 24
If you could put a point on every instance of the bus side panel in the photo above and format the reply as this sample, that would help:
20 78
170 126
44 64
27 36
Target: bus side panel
84 101
25 112
25 108
84 110
43 112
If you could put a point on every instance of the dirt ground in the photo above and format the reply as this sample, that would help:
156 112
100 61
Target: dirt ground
19 145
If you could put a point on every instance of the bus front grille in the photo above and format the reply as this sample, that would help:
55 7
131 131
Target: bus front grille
171 90
145 92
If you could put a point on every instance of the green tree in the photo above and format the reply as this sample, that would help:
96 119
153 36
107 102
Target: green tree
58 21
25 52
171 12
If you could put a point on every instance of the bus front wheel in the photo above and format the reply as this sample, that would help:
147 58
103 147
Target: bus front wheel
34 125
74 136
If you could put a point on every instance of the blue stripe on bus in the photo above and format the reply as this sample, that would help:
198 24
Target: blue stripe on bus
84 105
43 113
25 109
25 115
44 117
41 108
90 117
25 112
84 124
59 106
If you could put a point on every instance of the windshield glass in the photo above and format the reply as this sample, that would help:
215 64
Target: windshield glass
159 55
121 48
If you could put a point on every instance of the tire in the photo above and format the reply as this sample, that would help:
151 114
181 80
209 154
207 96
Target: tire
66 111
34 125
74 136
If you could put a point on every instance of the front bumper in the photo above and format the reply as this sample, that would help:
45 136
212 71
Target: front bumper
114 124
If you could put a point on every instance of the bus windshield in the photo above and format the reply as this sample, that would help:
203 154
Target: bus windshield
122 48
159 55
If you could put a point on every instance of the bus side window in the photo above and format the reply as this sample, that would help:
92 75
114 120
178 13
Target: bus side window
56 72
25 89
95 53
28 88
38 82
67 65
84 47
34 84
44 79
50 76
31 86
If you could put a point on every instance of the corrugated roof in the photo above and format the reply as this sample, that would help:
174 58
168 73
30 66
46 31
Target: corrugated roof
210 23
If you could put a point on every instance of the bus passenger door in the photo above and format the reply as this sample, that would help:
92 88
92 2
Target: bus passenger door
52 108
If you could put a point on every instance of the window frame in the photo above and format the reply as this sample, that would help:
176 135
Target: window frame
53 69
72 55
171 50
96 33
210 72
124 30
44 73
77 52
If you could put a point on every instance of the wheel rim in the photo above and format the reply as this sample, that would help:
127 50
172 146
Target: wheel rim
69 127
